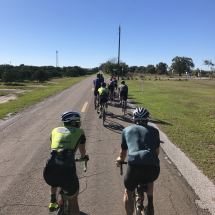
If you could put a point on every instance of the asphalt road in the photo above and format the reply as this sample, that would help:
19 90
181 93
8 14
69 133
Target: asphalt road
25 147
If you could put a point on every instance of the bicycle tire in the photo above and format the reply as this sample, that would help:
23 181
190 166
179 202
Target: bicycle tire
136 210
97 105
60 210
123 106
103 114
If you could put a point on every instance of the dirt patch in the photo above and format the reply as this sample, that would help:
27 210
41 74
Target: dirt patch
14 91
7 98
6 117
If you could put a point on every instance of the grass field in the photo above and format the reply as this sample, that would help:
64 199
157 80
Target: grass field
185 111
39 91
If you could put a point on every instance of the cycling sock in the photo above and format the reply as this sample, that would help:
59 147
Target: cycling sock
150 202
53 198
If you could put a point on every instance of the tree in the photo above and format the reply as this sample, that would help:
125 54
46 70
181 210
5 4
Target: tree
142 69
150 69
209 63
161 68
132 69
182 64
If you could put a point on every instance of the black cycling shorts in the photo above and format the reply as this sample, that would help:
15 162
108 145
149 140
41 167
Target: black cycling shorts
124 94
103 99
95 92
111 88
64 177
140 174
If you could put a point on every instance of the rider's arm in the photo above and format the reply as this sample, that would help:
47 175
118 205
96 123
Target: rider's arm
82 150
122 154
124 148
81 145
158 150
158 144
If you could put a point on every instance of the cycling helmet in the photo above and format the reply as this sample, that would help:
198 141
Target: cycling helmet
98 75
122 82
103 84
140 114
69 116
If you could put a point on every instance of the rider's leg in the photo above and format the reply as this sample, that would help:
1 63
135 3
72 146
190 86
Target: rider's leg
106 107
53 203
53 190
150 194
128 202
95 101
73 205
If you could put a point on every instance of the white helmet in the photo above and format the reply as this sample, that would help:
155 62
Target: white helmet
69 116
140 114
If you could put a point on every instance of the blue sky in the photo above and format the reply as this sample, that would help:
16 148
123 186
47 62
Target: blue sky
85 32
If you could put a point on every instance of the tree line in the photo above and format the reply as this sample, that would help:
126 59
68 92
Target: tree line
180 65
23 73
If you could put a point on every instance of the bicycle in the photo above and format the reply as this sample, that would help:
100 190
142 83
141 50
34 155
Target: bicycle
111 97
138 196
97 105
123 105
63 206
103 112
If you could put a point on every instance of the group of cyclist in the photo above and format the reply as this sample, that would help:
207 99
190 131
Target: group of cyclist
102 91
140 141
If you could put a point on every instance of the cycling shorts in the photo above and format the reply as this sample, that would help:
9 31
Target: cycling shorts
140 174
111 88
64 177
95 92
124 94
103 99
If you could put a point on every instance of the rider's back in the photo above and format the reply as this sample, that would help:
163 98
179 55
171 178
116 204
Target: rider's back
142 142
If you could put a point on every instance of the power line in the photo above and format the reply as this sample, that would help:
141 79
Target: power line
130 9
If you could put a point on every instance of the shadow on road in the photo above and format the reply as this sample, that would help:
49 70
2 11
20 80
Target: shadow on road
82 213
126 118
113 126
157 121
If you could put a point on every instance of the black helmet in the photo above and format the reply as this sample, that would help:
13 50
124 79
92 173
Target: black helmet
69 116
140 114
122 82
103 84
98 75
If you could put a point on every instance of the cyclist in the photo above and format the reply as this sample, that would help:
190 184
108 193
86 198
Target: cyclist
143 143
97 84
123 92
103 97
111 87
102 77
115 82
60 169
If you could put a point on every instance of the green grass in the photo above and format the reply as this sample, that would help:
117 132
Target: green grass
185 111
37 93
3 93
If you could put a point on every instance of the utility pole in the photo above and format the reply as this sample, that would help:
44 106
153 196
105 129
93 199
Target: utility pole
118 54
57 64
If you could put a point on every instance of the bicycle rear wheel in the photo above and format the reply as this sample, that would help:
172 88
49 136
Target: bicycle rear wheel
103 114
61 199
97 105
123 106
137 211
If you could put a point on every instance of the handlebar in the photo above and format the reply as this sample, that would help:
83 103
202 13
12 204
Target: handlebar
120 165
86 158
